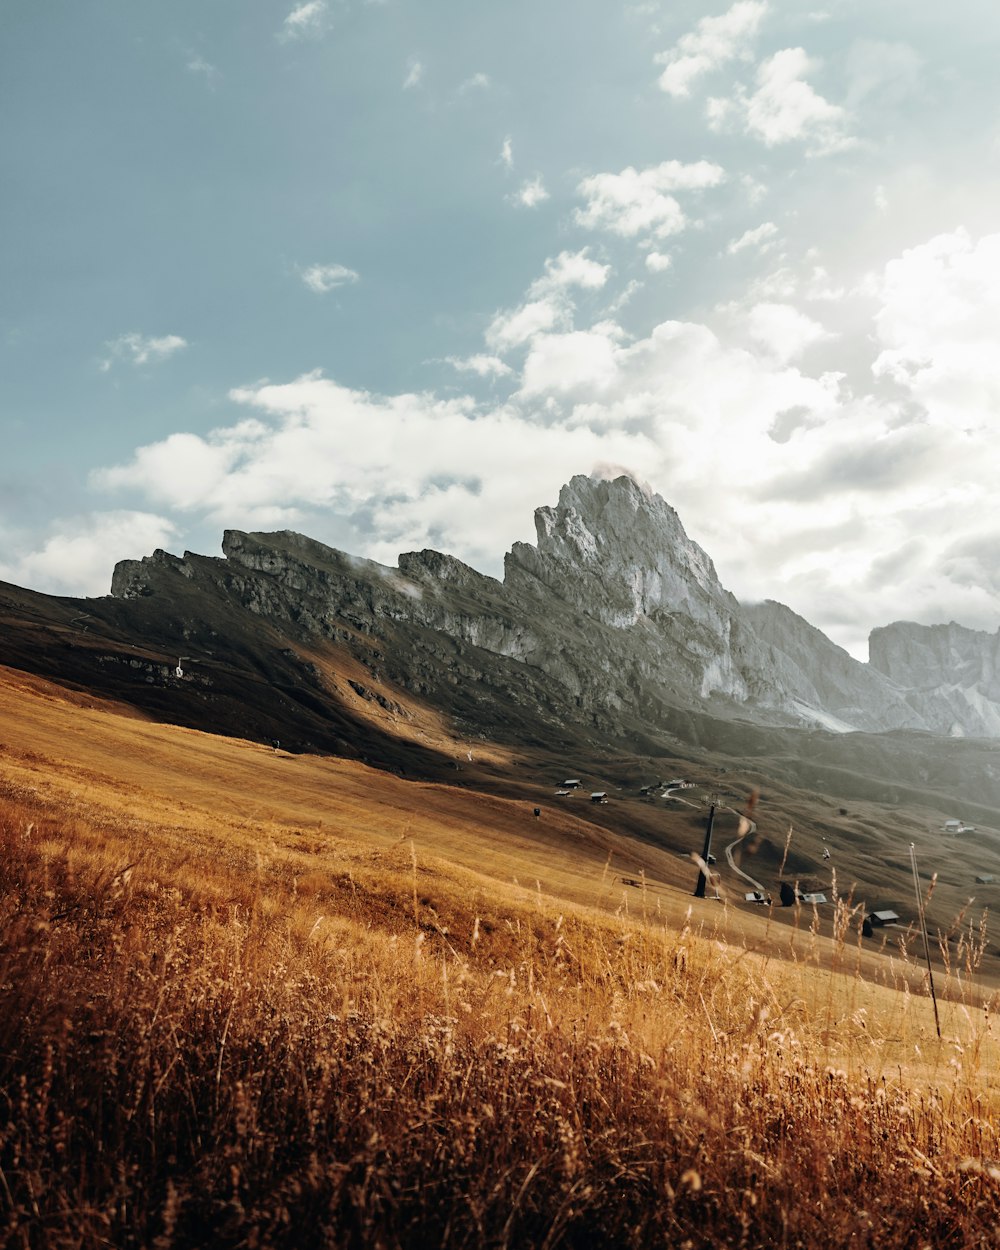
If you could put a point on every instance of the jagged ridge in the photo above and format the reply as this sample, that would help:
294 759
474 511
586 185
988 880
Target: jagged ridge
620 608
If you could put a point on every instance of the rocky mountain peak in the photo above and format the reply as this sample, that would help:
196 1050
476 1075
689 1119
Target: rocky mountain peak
600 520
621 553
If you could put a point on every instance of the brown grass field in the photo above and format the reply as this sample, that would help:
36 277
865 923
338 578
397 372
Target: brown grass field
253 1000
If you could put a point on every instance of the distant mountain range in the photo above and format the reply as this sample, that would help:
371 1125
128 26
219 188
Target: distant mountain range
618 607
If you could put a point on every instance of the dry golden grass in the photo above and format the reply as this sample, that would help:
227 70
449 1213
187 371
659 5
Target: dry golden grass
94 758
233 1027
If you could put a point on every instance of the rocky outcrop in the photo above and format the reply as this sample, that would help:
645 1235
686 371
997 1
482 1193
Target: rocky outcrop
614 609
621 555
133 579
613 554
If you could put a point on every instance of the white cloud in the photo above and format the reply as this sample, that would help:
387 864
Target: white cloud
549 305
80 553
141 349
305 20
785 284
475 82
428 472
781 284
482 365
761 238
511 329
680 380
642 201
507 153
580 361
198 65
816 286
182 470
324 278
570 269
783 331
658 262
713 43
531 193
623 297
939 325
784 108
414 74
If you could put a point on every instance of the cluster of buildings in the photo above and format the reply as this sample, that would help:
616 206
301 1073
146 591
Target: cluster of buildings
573 784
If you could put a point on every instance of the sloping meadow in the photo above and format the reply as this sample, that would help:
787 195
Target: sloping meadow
360 1048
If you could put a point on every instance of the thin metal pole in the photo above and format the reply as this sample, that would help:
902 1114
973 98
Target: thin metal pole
699 889
923 930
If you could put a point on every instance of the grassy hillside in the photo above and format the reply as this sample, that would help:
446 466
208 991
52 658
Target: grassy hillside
248 999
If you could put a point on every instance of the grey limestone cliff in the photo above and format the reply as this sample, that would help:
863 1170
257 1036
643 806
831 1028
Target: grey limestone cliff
827 684
615 556
951 674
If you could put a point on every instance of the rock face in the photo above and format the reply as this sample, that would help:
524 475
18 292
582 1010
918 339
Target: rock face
951 674
614 555
614 610
824 682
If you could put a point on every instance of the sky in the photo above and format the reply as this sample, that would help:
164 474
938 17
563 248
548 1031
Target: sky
390 272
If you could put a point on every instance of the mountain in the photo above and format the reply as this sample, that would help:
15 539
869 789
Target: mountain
618 607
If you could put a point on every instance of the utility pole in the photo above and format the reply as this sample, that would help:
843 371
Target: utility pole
699 889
